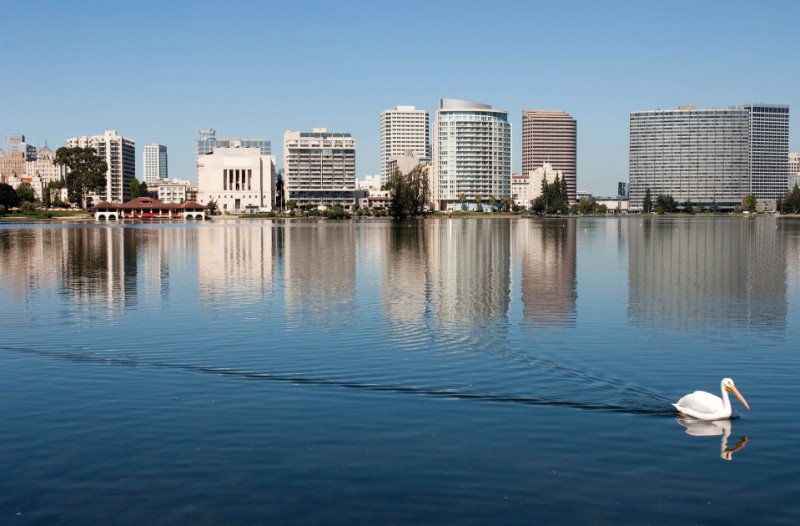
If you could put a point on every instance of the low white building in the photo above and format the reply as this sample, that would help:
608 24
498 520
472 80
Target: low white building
526 188
237 179
174 191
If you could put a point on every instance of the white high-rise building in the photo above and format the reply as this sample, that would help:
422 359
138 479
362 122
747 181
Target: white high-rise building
405 131
471 154
119 153
711 157
319 167
155 164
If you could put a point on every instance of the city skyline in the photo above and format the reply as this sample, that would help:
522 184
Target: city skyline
615 59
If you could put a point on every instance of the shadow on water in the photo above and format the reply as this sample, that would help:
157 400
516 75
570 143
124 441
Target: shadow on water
621 397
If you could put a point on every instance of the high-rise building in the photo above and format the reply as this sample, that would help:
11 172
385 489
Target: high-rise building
711 157
119 153
769 149
405 131
471 154
155 164
319 167
551 137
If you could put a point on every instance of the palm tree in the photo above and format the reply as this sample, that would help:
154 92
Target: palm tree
463 199
492 200
478 200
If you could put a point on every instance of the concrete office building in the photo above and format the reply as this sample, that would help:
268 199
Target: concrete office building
237 179
119 153
471 154
319 167
405 131
155 164
713 157
551 136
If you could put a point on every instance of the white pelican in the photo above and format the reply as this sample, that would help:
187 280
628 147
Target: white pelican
706 406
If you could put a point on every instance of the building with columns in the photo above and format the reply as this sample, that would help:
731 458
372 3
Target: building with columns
237 179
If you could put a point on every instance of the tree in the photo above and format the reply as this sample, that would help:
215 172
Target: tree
87 171
8 196
478 201
135 188
26 193
647 204
52 194
492 201
790 204
143 189
462 198
749 203
408 192
280 198
666 204
211 207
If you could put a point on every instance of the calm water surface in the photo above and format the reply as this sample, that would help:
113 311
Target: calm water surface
440 372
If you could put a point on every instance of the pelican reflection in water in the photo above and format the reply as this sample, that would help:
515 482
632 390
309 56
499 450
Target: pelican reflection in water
707 428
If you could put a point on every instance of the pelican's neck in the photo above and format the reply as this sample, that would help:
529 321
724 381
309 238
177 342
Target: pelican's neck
726 402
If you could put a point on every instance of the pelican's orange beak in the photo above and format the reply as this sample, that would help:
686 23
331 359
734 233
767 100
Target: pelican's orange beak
732 389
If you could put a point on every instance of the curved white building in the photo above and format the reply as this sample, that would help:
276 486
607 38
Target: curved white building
471 154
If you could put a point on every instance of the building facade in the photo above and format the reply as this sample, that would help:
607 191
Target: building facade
237 179
155 164
207 140
769 150
794 170
319 167
528 186
119 153
405 131
551 136
471 154
174 191
711 157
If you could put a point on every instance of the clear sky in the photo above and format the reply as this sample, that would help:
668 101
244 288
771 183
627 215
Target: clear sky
159 71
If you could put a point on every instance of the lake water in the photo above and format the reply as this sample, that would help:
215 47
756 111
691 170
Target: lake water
464 371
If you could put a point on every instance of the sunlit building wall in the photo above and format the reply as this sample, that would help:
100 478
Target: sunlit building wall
551 136
405 130
119 153
712 157
471 154
319 167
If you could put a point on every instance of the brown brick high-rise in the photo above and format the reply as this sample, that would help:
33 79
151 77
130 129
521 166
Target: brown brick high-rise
551 136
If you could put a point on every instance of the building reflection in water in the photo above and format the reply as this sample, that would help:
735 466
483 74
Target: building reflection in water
319 261
405 283
469 265
721 271
235 263
547 259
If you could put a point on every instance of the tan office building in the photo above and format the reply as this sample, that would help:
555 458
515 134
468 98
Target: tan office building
551 136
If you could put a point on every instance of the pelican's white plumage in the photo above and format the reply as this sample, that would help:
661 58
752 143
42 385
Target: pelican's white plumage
706 406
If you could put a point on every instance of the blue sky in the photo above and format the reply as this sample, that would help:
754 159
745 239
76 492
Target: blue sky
159 71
